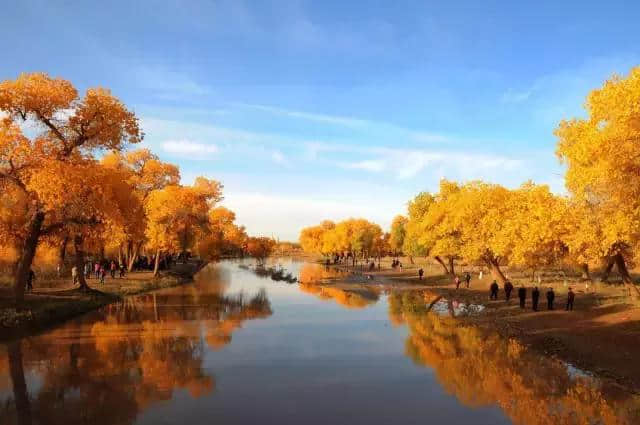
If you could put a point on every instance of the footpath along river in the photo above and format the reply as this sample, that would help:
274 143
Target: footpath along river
238 348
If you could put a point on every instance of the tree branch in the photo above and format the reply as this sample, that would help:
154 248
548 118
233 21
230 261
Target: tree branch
46 121
47 230
14 180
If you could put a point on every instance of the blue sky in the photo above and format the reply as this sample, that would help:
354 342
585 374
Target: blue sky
329 109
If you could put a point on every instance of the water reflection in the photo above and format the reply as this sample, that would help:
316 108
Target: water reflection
482 369
312 277
109 366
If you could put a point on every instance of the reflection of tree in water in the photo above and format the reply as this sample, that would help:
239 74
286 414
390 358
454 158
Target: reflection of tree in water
483 369
350 298
357 296
316 273
126 357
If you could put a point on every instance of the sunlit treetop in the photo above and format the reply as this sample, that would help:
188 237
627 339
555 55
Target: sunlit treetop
97 120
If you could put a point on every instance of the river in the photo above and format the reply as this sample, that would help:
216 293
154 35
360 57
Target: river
238 348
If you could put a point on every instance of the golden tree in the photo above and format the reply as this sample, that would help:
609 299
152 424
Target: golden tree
177 215
602 154
145 173
398 233
47 167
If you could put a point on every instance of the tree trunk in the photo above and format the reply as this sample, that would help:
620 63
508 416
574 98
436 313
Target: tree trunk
23 267
120 254
607 270
586 275
626 277
451 269
156 265
134 256
77 245
444 266
495 271
20 393
62 251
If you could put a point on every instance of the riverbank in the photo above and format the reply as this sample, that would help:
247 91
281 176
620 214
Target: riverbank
54 301
599 336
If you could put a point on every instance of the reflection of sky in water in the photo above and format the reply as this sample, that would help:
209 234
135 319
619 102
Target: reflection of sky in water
311 361
316 362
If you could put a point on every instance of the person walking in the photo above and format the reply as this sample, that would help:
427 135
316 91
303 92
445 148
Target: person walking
535 296
420 274
550 297
112 269
522 294
96 269
87 269
508 287
570 297
103 274
457 281
494 291
467 278
30 279
74 274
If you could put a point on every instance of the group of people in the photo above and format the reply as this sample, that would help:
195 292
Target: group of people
98 270
467 279
535 295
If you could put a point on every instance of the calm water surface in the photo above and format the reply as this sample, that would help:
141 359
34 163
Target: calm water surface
236 348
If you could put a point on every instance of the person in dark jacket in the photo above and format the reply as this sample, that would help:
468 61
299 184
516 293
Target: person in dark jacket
550 297
508 287
535 296
522 294
494 290
420 274
30 279
570 297
467 278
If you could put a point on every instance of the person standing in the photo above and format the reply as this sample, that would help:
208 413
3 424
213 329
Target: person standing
550 297
535 296
522 294
570 297
467 278
103 274
508 287
494 290
74 274
87 269
457 281
420 274
96 269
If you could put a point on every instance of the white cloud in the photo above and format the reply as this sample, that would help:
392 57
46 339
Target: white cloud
168 84
279 158
284 216
188 147
368 165
329 119
355 123
513 96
